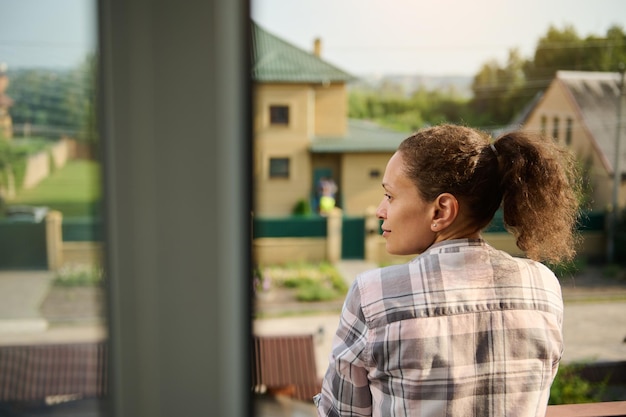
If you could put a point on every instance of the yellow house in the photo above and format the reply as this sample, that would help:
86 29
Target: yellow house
580 109
302 132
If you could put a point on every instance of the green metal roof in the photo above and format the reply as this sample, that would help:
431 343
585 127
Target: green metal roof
275 60
362 136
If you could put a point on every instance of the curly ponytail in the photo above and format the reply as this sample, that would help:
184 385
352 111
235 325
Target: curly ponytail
540 190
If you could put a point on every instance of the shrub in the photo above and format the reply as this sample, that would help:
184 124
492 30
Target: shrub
612 271
297 281
315 291
569 387
569 268
302 208
79 276
13 156
334 277
311 281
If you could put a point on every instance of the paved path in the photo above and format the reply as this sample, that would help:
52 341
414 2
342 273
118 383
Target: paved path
21 294
594 327
32 312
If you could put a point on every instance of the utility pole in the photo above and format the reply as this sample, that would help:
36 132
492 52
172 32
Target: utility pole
617 171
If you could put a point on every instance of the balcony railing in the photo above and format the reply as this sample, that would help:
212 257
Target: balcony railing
606 409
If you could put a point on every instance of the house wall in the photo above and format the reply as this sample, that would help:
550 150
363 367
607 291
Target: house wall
278 196
361 189
556 103
38 165
273 251
314 110
331 110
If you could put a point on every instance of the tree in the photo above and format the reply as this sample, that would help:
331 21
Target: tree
499 91
55 101
502 92
565 50
557 50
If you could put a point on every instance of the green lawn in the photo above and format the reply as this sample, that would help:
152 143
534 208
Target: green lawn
74 190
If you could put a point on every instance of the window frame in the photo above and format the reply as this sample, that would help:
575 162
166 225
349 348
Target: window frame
569 128
279 114
279 175
556 121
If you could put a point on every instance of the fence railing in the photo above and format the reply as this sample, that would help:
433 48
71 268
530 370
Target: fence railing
606 409
315 226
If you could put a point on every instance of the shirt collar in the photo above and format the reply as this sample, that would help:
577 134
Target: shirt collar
452 245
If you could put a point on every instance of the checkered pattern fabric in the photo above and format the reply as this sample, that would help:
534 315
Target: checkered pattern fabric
461 330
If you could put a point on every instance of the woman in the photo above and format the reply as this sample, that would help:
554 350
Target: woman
463 329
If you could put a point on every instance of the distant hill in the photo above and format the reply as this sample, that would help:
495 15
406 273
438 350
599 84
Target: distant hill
407 84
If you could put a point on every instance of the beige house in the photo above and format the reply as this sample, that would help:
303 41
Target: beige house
580 110
302 132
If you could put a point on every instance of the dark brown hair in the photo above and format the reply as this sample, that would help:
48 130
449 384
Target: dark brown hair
529 176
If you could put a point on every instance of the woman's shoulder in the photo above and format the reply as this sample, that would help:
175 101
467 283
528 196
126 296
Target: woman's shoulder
387 273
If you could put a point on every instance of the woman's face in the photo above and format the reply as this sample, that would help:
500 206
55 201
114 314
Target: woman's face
407 218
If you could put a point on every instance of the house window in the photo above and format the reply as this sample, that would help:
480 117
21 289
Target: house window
568 131
279 167
279 115
555 129
374 173
544 122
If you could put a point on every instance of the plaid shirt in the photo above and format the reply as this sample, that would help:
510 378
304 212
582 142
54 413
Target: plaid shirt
461 330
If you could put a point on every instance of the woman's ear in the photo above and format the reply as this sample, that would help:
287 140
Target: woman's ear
446 210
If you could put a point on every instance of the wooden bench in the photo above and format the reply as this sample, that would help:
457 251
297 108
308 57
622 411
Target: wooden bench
285 365
38 372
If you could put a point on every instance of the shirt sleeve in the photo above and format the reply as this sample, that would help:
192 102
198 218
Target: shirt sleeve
345 388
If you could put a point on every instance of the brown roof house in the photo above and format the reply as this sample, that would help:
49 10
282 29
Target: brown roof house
580 109
302 132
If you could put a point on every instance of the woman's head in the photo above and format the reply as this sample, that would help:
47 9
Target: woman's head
456 160
460 179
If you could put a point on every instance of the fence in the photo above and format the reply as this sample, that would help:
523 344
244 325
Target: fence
23 245
304 238
49 243
275 240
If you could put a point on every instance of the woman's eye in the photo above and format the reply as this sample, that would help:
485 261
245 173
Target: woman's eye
387 196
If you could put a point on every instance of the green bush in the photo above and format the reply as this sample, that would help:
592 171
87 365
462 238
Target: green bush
311 281
297 282
569 387
302 208
334 277
569 268
315 291
79 276
612 271
13 156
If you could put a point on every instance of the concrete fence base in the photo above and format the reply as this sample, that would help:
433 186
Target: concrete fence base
281 250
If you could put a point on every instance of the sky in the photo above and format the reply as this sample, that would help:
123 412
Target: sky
46 33
435 37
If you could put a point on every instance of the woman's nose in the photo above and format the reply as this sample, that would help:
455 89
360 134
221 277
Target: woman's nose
380 211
